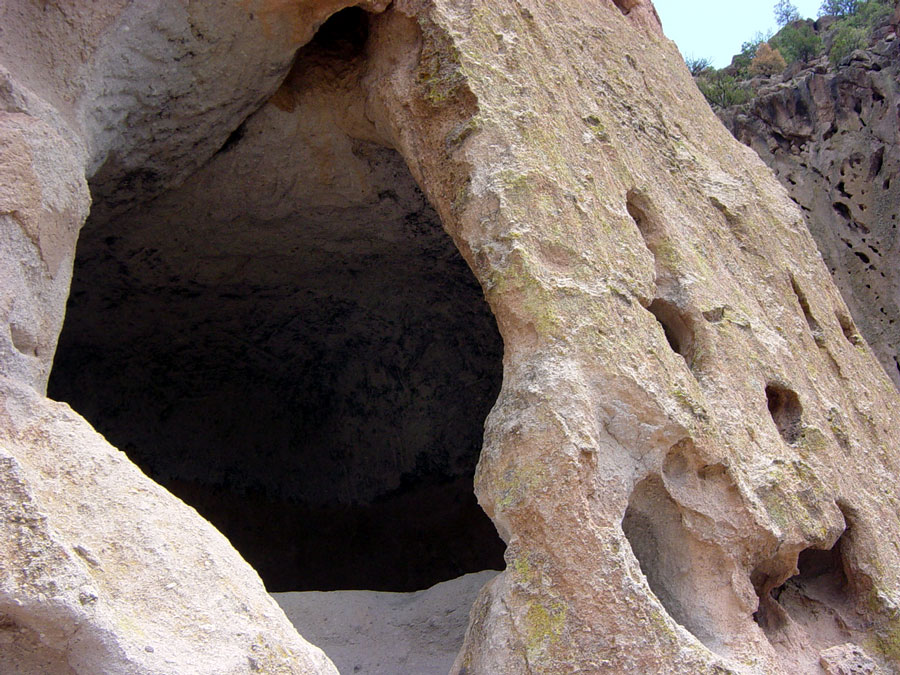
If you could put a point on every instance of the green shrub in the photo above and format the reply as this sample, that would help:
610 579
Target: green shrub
722 90
847 39
854 30
797 42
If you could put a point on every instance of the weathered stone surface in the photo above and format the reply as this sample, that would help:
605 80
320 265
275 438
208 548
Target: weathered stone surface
590 217
693 460
847 660
388 633
43 202
831 136
155 88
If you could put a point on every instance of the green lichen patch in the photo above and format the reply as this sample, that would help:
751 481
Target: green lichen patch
813 441
544 623
440 71
597 128
795 499
516 483
886 643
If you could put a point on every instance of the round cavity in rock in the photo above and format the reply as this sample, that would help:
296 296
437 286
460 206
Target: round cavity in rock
786 410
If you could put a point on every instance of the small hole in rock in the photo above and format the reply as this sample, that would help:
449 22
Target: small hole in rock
784 406
814 609
625 6
23 340
658 539
676 329
638 214
842 209
344 35
848 328
814 328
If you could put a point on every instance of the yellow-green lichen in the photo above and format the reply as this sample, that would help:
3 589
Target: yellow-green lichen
522 568
813 441
597 128
520 280
440 70
516 483
794 497
886 642
689 403
544 625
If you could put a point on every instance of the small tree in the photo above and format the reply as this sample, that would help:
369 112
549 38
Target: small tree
697 65
749 48
786 12
721 90
838 7
797 42
740 63
768 61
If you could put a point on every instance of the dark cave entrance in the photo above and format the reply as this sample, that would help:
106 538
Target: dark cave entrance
326 414
302 355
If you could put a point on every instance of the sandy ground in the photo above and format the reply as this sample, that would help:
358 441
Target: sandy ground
371 633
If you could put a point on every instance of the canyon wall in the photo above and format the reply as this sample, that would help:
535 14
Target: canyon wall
832 137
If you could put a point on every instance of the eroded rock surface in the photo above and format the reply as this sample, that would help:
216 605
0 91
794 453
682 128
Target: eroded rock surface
104 571
658 295
831 136
692 459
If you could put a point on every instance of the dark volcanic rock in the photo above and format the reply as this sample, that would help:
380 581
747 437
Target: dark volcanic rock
833 139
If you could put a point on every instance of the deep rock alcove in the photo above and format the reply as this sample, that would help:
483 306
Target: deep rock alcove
292 344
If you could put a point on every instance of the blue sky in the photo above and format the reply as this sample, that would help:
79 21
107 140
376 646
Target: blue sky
716 29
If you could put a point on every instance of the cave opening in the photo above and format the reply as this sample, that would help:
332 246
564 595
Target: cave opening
292 344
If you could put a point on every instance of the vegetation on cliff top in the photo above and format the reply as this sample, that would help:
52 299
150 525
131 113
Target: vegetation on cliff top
843 27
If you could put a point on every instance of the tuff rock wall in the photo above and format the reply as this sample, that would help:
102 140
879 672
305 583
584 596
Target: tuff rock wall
832 137
693 455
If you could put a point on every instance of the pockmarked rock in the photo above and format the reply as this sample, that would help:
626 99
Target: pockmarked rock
687 428
830 135
693 457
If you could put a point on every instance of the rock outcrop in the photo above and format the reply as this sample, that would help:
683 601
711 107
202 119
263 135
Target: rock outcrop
105 572
831 136
692 458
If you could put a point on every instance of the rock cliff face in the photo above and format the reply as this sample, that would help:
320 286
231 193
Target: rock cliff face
832 136
692 457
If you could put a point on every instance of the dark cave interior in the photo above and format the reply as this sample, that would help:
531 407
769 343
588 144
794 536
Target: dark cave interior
328 421
292 344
